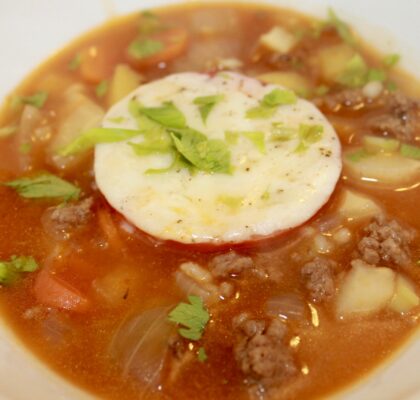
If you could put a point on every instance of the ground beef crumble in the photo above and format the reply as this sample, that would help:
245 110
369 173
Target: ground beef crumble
230 264
319 279
72 214
386 241
261 352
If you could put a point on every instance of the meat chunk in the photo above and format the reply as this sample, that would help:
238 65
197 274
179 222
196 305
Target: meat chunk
230 264
261 352
61 219
343 99
319 279
386 241
401 118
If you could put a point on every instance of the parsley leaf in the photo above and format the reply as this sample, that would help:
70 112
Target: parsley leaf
202 355
45 186
210 155
95 136
143 48
341 27
10 270
206 104
37 100
102 88
192 317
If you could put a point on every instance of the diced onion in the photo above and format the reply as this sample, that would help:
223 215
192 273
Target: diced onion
287 306
140 345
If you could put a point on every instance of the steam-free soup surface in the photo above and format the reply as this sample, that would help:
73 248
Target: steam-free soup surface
299 315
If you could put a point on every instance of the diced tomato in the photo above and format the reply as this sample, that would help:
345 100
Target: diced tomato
52 291
174 43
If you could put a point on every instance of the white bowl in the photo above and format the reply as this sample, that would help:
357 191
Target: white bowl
32 30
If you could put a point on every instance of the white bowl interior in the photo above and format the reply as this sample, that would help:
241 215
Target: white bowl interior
32 30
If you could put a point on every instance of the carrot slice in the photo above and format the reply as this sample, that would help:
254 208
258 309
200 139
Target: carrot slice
52 291
171 43
95 64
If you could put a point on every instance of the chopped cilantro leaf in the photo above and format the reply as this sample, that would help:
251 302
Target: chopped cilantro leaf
45 186
341 27
256 137
202 355
391 60
153 143
95 136
192 318
410 151
10 270
278 97
37 100
75 62
102 88
206 104
143 48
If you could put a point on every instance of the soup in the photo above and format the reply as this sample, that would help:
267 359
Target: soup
299 302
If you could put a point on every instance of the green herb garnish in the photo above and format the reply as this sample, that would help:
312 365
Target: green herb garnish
25 148
202 355
341 27
210 155
102 88
45 186
355 73
192 317
206 104
357 155
95 136
375 74
37 100
11 270
278 97
270 102
143 48
282 133
308 134
391 60
75 62
167 115
409 151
